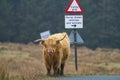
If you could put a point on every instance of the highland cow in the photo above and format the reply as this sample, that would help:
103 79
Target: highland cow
56 49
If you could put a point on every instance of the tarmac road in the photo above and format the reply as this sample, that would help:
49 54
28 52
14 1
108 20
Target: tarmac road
91 78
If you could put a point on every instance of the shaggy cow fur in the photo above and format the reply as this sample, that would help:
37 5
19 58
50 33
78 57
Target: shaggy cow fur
56 51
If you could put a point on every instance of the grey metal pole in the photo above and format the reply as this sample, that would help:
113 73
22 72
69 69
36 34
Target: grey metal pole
75 45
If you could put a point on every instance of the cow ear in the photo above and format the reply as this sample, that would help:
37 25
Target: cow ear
42 42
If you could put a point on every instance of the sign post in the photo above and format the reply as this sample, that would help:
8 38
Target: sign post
74 22
76 63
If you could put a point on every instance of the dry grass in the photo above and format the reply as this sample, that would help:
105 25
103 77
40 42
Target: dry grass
97 62
24 62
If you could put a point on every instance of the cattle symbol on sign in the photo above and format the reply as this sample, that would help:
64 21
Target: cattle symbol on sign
74 7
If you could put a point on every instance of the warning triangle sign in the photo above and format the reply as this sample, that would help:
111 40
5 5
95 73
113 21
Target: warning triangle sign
74 7
79 39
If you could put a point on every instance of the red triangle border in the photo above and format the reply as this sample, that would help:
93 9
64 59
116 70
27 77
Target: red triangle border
77 12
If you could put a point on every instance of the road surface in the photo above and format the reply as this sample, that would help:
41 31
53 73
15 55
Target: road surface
90 78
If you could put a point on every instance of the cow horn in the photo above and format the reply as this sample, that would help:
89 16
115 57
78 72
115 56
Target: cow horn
61 39
38 40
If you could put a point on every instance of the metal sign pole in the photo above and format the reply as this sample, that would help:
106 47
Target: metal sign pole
75 45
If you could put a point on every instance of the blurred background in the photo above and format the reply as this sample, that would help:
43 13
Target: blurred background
22 21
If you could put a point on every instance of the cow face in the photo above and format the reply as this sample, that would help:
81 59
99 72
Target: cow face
50 45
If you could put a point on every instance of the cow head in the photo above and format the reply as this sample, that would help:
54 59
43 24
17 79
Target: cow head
50 44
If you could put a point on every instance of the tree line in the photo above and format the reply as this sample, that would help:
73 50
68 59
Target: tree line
23 20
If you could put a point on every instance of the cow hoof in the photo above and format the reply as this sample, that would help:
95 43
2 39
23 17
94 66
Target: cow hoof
61 74
56 75
48 74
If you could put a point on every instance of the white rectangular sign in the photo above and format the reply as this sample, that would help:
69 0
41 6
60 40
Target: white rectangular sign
73 21
45 34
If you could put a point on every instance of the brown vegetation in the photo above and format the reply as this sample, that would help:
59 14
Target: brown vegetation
24 62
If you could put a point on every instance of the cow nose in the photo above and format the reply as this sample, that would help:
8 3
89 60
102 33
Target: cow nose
50 51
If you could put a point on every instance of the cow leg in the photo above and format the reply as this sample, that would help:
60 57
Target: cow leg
48 71
62 69
48 67
56 69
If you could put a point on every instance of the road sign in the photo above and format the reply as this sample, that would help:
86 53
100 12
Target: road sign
74 7
45 34
79 39
73 21
75 38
